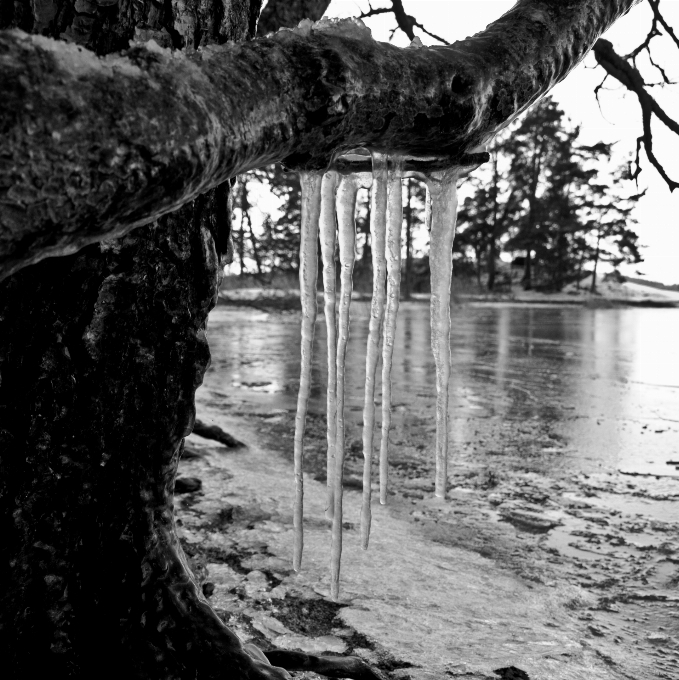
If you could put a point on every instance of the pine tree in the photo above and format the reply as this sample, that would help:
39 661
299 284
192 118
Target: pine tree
608 221
544 194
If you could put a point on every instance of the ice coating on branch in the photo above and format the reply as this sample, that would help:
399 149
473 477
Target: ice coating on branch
442 215
308 273
393 252
346 207
350 28
378 227
304 27
328 237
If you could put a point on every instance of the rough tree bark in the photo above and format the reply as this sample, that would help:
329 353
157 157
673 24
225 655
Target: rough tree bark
91 424
100 355
92 148
91 414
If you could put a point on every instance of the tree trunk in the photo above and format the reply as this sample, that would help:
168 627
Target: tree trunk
592 288
409 245
241 232
492 256
255 247
100 356
366 255
492 246
536 169
477 254
245 217
527 279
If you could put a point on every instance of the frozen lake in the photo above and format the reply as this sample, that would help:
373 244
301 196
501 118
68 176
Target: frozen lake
603 384
544 555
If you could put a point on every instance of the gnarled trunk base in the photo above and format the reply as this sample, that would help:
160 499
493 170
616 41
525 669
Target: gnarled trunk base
101 354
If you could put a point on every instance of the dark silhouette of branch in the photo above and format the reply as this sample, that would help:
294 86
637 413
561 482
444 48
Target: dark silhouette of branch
645 46
405 22
626 73
374 11
606 56
659 18
624 69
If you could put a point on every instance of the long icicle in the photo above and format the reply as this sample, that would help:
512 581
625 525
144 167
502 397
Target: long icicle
346 207
328 237
308 274
378 227
393 250
442 211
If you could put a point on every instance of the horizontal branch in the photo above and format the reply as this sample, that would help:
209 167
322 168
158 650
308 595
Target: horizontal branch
91 148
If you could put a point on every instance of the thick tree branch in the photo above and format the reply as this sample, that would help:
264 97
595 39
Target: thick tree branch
624 72
405 21
91 148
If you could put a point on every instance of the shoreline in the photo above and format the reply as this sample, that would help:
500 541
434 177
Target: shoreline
288 299
499 575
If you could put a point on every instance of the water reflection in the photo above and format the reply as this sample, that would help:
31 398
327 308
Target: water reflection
552 387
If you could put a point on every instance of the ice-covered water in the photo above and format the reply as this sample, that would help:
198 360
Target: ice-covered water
603 383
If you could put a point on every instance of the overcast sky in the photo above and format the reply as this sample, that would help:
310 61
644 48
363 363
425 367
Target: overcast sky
619 118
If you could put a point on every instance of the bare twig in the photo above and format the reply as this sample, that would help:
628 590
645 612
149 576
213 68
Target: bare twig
213 432
374 11
597 89
666 80
659 18
430 34
404 21
626 73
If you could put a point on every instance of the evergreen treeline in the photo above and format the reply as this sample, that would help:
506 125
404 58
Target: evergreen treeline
552 204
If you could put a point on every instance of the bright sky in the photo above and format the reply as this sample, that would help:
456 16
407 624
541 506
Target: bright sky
618 121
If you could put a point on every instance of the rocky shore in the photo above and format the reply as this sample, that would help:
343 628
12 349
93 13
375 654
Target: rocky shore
555 577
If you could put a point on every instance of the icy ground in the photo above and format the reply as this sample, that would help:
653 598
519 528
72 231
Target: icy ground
564 569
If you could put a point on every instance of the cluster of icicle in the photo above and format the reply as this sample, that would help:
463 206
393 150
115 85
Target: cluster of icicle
328 215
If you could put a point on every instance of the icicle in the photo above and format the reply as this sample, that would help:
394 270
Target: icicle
442 215
378 216
328 234
308 273
346 206
393 250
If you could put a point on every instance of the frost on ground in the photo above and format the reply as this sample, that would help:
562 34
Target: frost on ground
501 574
